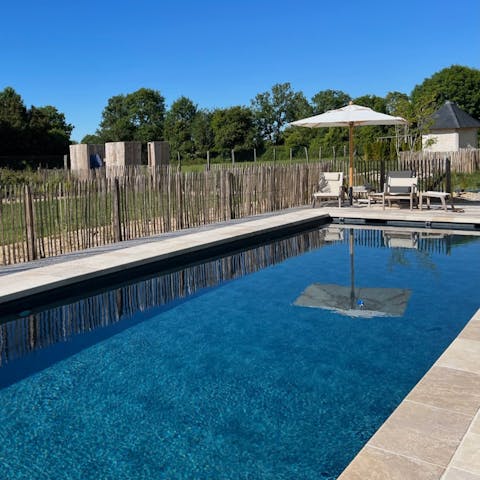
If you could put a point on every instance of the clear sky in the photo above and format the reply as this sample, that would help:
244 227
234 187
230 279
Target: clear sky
220 53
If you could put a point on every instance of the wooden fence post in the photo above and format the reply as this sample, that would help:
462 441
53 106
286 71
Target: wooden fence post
254 154
30 225
117 224
179 201
448 176
291 155
208 160
230 196
306 154
233 156
382 174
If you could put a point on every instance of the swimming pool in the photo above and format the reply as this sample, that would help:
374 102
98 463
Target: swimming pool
217 372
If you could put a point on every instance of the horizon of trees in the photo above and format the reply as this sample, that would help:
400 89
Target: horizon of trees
263 124
33 131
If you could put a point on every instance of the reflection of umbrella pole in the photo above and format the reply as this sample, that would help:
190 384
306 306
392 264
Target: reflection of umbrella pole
350 171
352 272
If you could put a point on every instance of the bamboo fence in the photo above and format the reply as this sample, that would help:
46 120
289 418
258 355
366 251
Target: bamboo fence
64 214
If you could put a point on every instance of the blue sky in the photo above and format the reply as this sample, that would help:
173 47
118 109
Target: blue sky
76 55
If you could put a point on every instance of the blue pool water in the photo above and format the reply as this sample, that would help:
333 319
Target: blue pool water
235 381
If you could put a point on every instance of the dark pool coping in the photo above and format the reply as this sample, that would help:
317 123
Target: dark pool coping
34 284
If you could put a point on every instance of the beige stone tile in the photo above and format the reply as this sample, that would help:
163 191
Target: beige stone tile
374 464
448 388
471 331
462 354
423 432
456 474
475 426
468 455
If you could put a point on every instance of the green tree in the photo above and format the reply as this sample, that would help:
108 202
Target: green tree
456 83
368 139
49 132
202 132
179 126
275 109
146 108
13 123
136 116
417 113
12 109
233 127
395 103
116 124
329 100
372 101
92 139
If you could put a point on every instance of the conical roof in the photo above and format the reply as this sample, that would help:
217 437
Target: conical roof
449 116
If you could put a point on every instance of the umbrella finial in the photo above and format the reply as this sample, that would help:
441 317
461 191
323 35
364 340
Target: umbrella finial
350 102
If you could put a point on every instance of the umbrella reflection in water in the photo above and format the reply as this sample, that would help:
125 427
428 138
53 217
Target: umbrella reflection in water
355 302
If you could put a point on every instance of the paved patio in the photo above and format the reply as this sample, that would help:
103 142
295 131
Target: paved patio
435 431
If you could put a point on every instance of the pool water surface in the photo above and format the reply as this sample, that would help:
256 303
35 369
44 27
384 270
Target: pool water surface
236 381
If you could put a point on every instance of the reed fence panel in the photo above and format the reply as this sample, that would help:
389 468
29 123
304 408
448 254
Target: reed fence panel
66 214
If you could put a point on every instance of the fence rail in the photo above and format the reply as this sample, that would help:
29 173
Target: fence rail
59 215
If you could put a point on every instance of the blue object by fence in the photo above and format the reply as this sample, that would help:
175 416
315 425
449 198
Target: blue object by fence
96 161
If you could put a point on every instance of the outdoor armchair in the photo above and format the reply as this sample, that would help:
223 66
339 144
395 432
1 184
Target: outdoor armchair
400 188
330 187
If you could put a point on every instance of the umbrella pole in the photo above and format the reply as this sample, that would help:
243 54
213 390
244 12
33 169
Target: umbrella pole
350 171
352 269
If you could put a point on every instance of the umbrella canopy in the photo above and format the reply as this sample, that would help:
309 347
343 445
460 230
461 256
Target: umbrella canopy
349 116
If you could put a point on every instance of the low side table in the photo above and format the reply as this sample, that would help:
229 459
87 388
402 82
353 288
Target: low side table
442 196
375 196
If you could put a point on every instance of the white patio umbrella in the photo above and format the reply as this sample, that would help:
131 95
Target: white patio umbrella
349 116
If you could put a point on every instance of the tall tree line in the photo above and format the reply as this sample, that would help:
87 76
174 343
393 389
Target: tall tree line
30 131
192 131
263 123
